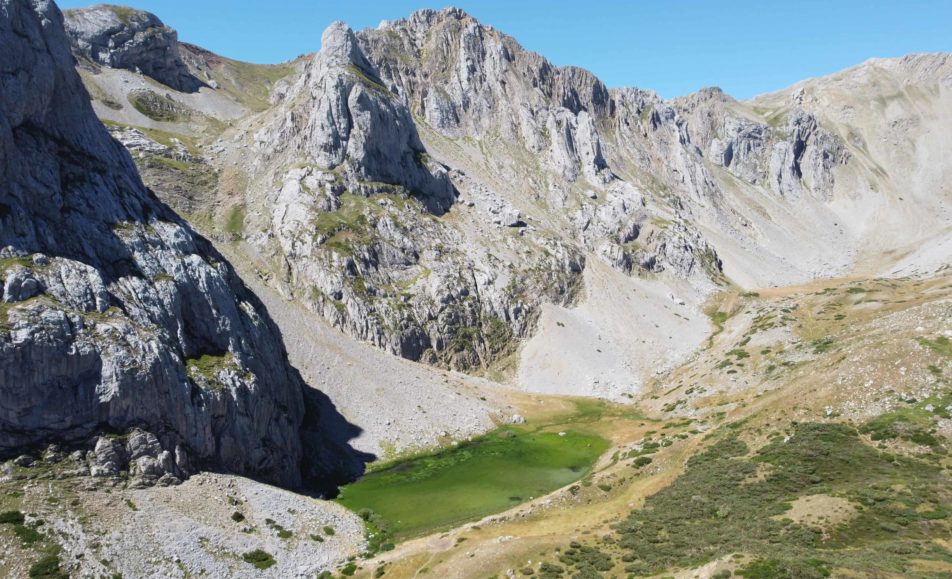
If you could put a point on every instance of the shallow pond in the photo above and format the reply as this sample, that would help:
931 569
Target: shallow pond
477 478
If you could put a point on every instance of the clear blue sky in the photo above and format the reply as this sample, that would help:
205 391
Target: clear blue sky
675 47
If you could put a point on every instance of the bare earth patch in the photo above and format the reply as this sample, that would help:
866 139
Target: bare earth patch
820 511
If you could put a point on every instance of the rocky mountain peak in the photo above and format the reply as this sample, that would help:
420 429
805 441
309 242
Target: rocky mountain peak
122 37
339 47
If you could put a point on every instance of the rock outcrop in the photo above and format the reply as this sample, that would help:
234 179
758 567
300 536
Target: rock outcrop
341 119
121 37
116 317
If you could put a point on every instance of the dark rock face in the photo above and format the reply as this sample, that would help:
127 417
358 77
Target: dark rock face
120 37
116 316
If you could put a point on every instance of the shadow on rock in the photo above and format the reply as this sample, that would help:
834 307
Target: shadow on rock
329 460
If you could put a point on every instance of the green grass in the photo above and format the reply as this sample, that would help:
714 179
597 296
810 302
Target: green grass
941 345
912 423
123 13
249 83
351 216
208 366
280 530
477 478
366 80
235 222
11 518
822 345
718 507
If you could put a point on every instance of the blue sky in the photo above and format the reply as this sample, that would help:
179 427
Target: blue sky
676 47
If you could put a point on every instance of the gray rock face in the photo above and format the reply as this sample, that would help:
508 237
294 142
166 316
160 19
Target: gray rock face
116 315
792 157
466 79
805 159
343 119
121 37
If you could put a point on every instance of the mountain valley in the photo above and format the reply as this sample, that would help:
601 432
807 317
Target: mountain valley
424 304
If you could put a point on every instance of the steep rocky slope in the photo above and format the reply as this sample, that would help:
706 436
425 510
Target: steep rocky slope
432 188
117 319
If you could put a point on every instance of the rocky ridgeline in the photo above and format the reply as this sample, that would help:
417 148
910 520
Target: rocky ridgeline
428 184
121 37
116 317
533 134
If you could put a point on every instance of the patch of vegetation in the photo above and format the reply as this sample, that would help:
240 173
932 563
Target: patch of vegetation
377 531
349 569
282 532
235 222
587 561
497 334
941 345
822 345
250 83
123 13
916 424
366 80
158 107
27 535
260 559
48 567
346 226
329 531
11 518
237 517
169 139
777 569
471 480
720 506
719 318
207 367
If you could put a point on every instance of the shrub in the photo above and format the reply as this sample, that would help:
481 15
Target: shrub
778 569
11 518
48 567
260 559
26 534
329 531
237 517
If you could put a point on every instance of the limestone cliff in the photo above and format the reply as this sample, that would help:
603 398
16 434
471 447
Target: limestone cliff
116 317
